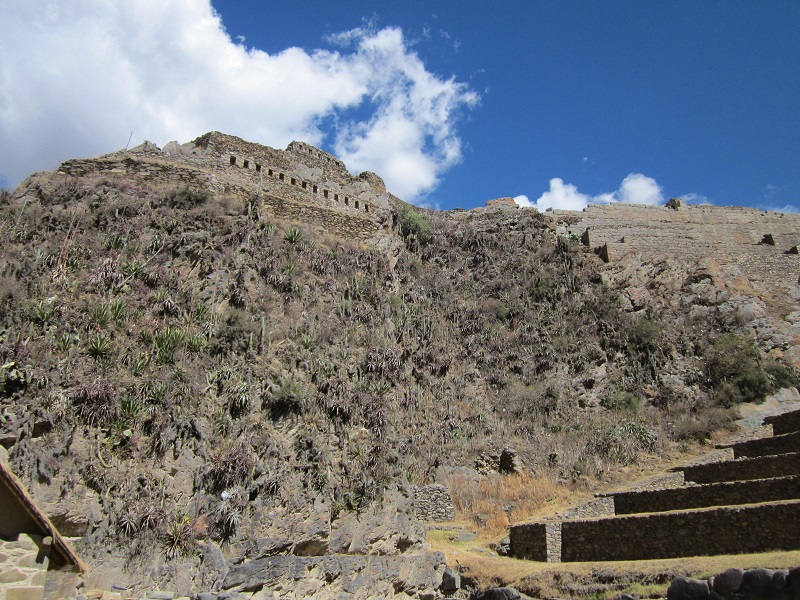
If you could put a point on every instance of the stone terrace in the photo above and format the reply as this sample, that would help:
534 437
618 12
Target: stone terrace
749 504
762 244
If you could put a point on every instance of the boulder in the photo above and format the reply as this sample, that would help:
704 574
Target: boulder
683 588
451 580
756 585
727 583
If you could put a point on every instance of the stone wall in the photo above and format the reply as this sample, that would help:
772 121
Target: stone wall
728 530
433 503
714 494
785 423
529 541
758 242
22 571
760 467
301 182
779 444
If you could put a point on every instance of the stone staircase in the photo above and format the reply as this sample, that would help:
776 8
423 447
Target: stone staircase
745 504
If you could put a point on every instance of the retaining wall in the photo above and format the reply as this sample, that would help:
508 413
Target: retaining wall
728 530
529 541
433 503
713 494
785 423
779 444
22 571
758 242
760 467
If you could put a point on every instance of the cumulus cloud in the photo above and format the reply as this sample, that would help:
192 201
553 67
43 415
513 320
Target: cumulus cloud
634 189
77 77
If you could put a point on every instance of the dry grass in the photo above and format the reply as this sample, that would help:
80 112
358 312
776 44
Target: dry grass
495 502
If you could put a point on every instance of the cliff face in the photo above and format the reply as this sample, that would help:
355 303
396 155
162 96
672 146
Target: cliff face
219 352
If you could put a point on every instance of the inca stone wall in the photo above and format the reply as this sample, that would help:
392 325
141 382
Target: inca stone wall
530 541
301 182
744 468
785 423
433 503
763 244
753 528
715 494
22 571
788 442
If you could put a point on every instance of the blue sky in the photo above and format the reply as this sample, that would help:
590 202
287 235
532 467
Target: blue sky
453 103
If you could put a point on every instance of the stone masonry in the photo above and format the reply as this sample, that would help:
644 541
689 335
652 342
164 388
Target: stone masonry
727 493
23 568
432 503
744 468
301 182
760 243
740 505
741 529
779 444
785 423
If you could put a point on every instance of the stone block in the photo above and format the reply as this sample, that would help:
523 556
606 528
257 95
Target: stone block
33 592
13 575
31 560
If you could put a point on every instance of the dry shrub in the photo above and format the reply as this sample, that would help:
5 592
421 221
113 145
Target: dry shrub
496 501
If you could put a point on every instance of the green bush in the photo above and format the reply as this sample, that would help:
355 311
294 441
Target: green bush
733 372
413 226
621 401
186 198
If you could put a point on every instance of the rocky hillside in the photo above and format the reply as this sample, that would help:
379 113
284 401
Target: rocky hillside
189 366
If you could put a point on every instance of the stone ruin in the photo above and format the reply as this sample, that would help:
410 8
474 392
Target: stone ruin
302 182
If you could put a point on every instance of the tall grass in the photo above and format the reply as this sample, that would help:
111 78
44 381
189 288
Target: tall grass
497 501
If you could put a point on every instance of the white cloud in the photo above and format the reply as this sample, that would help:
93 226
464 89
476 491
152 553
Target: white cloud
692 198
562 196
523 200
76 77
635 188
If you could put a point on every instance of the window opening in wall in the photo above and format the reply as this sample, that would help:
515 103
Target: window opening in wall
294 181
246 164
356 203
315 189
258 168
280 176
366 207
233 160
269 172
346 201
336 197
305 185
325 193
